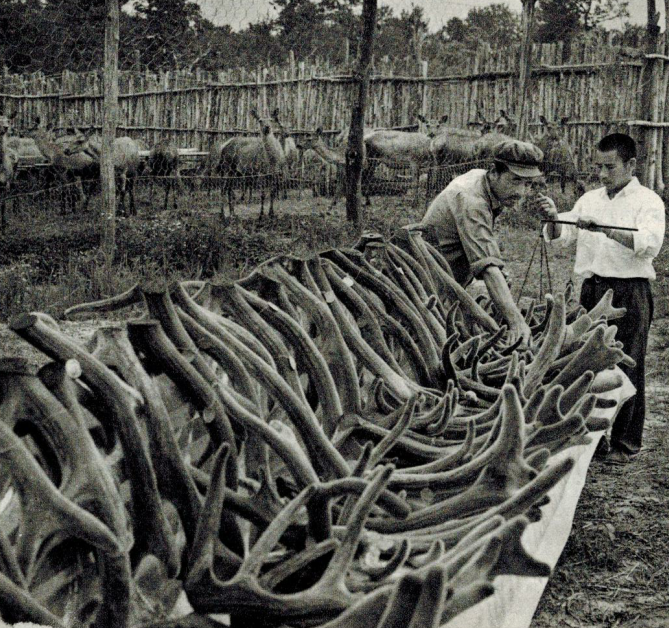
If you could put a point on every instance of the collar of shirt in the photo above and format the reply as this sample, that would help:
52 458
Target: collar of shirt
631 187
495 205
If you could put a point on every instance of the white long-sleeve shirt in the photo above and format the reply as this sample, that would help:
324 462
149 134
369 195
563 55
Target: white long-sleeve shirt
596 254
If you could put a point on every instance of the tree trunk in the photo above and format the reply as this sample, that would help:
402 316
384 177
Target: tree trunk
525 63
109 121
354 152
646 153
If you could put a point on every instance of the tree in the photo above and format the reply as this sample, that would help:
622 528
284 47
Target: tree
560 20
403 36
299 25
456 30
168 32
495 24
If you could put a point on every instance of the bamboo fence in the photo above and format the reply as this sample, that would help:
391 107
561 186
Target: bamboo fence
595 84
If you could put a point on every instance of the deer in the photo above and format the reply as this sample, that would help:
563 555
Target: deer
8 161
257 157
333 159
128 164
504 128
290 149
69 159
400 149
163 162
454 145
559 160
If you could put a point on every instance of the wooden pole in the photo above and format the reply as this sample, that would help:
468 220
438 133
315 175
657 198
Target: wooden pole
524 68
665 94
354 152
109 121
646 139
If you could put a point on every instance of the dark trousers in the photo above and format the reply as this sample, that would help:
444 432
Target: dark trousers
635 296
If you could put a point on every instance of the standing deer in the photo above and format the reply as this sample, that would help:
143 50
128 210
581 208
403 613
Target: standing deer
504 128
8 161
128 165
290 150
559 160
69 159
333 160
261 158
400 149
163 163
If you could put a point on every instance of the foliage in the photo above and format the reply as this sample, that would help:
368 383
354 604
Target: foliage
559 20
52 35
495 24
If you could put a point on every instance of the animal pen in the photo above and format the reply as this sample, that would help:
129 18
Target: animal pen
313 443
595 86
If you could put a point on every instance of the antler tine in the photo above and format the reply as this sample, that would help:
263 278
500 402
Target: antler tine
278 574
31 479
465 598
399 384
386 444
308 354
341 361
149 338
368 322
241 310
514 560
257 555
122 398
174 480
201 554
19 606
394 564
336 570
132 296
323 454
433 595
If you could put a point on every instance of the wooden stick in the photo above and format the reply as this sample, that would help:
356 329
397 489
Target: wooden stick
568 222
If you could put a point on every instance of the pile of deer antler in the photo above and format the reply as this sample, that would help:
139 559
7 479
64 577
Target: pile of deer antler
337 441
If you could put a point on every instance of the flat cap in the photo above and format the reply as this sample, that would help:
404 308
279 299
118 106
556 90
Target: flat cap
522 158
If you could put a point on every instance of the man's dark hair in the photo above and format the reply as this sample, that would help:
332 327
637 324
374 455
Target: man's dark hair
499 167
623 144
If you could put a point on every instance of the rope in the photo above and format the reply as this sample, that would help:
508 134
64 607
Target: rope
543 261
527 272
544 247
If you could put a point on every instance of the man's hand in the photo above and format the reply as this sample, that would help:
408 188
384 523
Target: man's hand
546 207
520 329
590 224
501 295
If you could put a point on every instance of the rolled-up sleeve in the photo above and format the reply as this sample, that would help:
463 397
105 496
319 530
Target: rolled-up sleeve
568 232
473 220
650 223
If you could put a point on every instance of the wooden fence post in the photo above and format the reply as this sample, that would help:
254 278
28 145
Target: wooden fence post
524 69
664 94
647 139
355 145
109 118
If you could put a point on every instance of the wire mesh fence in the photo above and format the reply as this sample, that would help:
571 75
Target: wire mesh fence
199 182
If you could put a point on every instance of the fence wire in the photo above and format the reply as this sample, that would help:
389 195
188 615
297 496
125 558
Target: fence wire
201 185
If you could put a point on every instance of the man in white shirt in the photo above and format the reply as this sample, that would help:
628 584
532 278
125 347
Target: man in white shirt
620 260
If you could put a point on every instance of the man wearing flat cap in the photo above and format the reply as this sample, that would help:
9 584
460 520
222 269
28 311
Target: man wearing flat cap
461 219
